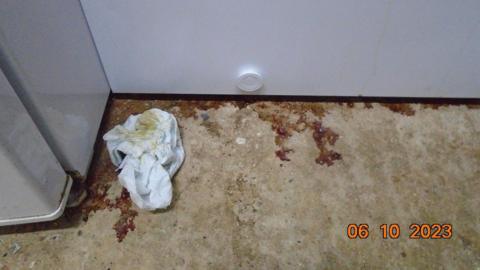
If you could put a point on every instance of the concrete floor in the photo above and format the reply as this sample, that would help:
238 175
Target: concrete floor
270 185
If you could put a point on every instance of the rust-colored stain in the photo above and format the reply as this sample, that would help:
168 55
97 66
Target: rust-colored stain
434 106
278 114
282 134
282 153
401 108
301 108
102 174
122 108
473 106
280 125
98 200
125 222
324 136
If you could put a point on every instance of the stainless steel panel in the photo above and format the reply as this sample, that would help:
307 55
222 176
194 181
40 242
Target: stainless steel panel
33 185
48 55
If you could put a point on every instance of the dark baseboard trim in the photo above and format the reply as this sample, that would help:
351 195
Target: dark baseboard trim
253 98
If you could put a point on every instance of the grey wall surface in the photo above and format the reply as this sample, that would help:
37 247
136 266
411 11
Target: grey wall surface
48 55
417 48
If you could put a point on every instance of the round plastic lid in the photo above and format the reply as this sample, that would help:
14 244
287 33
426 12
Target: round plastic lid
250 82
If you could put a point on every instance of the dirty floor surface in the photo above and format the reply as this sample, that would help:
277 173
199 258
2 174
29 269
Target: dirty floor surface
269 185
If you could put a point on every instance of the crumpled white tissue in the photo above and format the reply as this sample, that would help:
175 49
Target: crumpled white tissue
148 150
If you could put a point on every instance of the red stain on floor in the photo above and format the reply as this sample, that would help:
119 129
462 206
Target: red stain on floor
125 222
324 136
282 153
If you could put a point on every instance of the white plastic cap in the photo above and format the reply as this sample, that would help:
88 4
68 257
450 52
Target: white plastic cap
250 82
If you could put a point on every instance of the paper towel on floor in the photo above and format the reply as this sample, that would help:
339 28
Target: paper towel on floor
148 150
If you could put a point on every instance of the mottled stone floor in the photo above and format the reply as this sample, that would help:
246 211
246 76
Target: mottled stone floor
274 185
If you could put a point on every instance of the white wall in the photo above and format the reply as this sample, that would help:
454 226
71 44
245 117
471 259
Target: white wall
49 57
302 47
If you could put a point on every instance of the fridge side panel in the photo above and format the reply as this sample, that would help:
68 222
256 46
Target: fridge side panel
32 182
47 54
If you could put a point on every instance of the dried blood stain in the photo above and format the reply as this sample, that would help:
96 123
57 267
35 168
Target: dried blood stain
281 136
404 109
278 114
98 201
325 136
434 106
99 182
473 106
282 153
125 223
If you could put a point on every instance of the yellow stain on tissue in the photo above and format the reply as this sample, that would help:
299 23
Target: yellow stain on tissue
144 127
